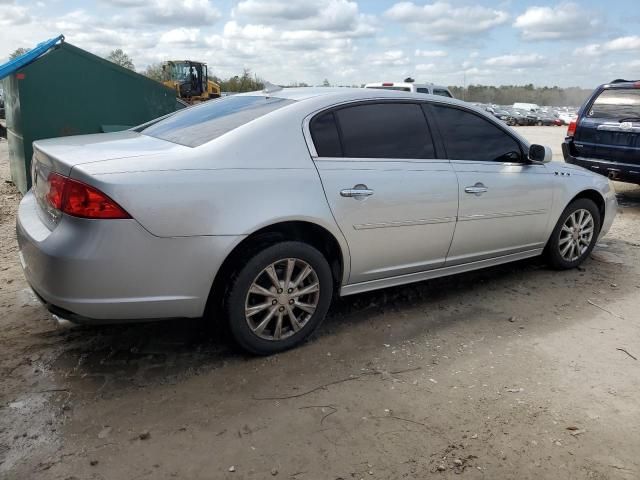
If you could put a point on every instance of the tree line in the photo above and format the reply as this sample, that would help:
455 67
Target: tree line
501 95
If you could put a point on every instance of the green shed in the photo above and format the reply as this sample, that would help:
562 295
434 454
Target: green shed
69 91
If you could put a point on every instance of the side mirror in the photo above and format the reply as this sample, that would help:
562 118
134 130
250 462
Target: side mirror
540 154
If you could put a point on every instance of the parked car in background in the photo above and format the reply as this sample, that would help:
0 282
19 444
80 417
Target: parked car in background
261 206
429 88
605 137
526 107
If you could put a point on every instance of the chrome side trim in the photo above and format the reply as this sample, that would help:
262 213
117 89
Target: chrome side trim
404 223
625 127
438 272
485 216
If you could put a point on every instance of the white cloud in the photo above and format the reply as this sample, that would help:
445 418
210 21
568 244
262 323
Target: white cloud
389 58
621 44
178 12
565 21
517 61
181 36
430 53
443 21
320 15
13 15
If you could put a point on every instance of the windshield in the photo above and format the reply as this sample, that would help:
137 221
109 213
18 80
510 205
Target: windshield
197 125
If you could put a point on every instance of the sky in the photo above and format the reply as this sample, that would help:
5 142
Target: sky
348 42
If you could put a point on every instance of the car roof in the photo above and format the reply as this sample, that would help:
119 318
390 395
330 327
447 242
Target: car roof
342 94
620 83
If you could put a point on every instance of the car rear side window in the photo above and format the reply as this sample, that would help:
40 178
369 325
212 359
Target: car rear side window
197 125
325 135
384 130
467 136
422 90
617 104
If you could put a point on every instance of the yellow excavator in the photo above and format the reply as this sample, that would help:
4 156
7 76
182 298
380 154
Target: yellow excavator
190 80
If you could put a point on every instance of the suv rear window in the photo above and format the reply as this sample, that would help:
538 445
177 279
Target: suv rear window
616 104
195 126
441 92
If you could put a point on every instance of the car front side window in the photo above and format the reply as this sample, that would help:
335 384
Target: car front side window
468 136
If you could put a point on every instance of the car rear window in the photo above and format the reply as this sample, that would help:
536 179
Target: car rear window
616 104
373 130
200 124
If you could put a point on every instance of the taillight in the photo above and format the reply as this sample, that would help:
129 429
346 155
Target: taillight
571 130
81 200
387 84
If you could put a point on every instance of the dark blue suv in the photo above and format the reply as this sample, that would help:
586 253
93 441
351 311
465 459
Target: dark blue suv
605 138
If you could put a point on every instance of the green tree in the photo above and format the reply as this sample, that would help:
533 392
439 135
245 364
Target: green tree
18 52
119 57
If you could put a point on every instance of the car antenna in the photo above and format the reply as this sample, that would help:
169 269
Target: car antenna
270 88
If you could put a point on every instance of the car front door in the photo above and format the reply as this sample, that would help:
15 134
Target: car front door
504 200
394 201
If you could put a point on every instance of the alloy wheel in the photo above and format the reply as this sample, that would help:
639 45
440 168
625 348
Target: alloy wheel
576 235
282 299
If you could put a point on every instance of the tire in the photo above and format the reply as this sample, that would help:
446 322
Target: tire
555 251
540 124
247 311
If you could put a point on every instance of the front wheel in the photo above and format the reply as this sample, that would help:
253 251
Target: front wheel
279 297
575 234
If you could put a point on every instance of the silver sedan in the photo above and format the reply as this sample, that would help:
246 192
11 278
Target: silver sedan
265 205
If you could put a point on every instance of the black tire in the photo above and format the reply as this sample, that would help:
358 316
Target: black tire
241 282
553 250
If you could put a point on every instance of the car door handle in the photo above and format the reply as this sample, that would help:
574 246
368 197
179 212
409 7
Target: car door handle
477 189
358 191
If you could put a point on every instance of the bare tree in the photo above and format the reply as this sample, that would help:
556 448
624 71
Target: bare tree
155 72
18 52
119 57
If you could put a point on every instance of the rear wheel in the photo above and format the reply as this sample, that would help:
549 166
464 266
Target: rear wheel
575 234
279 297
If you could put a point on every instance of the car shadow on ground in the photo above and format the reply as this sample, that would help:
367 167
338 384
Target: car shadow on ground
141 354
110 358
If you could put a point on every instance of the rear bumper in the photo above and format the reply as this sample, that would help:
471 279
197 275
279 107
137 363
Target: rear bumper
115 270
621 172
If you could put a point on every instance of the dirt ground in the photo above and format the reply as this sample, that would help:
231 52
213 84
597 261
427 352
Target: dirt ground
516 372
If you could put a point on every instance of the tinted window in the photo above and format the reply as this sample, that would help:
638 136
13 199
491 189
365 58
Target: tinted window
325 136
422 90
616 104
441 92
384 130
469 137
197 125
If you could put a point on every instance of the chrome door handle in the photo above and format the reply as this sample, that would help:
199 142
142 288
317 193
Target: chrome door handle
477 189
358 191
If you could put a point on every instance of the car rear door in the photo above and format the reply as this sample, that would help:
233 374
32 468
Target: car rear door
394 200
609 127
504 201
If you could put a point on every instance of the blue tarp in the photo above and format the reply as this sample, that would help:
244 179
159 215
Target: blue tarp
19 62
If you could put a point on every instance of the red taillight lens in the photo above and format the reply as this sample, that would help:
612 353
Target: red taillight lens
571 131
387 84
56 188
81 200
